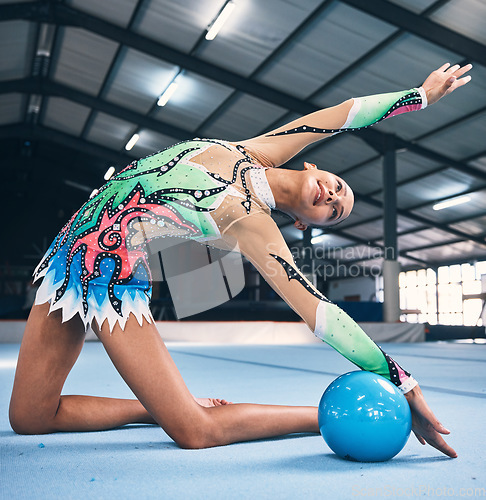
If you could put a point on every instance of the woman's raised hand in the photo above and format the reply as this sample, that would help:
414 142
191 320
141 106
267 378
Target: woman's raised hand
444 80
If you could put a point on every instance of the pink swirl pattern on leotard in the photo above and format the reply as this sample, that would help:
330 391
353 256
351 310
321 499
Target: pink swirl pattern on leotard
405 109
401 374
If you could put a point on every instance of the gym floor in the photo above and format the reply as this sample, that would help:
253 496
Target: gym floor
141 461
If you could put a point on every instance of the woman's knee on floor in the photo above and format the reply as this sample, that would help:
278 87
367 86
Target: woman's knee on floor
201 431
28 420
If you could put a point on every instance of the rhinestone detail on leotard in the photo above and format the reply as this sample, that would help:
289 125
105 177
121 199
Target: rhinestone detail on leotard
261 187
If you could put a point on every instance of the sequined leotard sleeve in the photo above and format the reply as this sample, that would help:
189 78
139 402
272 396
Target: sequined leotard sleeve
278 146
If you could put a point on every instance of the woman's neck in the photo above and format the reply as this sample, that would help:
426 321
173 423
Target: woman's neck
285 188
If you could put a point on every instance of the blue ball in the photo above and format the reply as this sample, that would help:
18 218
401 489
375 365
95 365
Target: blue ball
364 417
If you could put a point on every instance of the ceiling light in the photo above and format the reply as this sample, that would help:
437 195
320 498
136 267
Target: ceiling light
35 103
318 239
220 20
109 173
169 92
132 142
45 40
452 202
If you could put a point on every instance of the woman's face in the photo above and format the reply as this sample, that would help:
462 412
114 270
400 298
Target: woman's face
325 199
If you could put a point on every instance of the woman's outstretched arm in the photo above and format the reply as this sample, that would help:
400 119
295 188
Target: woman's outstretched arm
280 145
261 242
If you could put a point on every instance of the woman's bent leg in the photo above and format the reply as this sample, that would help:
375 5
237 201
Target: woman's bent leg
140 356
49 350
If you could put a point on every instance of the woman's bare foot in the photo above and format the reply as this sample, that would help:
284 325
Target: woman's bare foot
210 402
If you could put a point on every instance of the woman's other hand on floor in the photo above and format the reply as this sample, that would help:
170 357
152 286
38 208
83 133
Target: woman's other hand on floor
425 424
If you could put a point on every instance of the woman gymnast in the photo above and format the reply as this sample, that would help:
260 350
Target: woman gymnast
96 274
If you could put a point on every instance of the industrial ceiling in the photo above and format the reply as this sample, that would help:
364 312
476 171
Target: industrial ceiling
79 77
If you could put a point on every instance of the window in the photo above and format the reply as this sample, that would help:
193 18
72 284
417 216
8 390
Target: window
449 296
418 296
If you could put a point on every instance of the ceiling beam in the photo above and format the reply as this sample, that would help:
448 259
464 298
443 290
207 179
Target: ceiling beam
432 245
378 140
418 229
64 15
453 123
33 133
415 178
374 51
60 14
422 27
38 85
311 18
405 253
440 158
449 262
424 220
114 66
427 203
49 88
446 126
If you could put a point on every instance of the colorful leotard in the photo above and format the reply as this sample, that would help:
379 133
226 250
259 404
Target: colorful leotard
98 266
214 193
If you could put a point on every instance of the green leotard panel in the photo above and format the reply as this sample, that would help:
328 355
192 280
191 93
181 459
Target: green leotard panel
369 110
341 332
332 324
